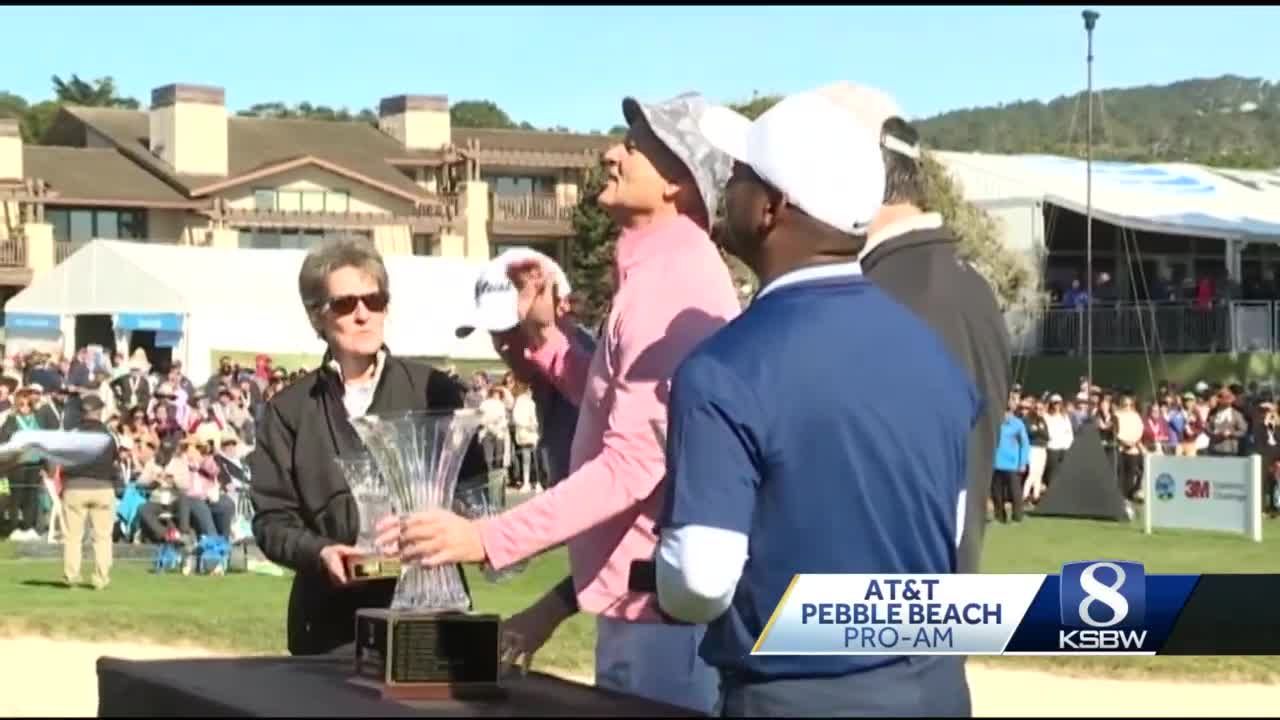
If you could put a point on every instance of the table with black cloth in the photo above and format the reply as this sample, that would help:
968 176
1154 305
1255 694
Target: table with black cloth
318 687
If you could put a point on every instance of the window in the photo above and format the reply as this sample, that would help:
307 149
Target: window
61 222
133 225
424 244
337 201
315 201
290 238
288 200
264 199
81 225
107 225
260 239
521 185
85 224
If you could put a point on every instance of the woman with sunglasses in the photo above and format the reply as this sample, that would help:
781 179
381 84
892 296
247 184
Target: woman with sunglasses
305 517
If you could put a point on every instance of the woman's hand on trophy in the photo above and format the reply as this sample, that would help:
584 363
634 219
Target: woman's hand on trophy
440 537
332 556
387 536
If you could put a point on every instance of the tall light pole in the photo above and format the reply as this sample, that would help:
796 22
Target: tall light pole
1090 20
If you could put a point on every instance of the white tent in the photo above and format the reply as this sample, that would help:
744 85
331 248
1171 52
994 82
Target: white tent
1177 199
1240 207
231 299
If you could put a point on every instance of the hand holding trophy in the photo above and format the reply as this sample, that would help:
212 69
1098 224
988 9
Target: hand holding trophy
373 502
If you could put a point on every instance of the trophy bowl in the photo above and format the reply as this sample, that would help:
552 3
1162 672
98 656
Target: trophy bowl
373 502
426 645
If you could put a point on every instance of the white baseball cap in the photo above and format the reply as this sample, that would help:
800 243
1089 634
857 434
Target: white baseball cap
871 108
496 298
812 150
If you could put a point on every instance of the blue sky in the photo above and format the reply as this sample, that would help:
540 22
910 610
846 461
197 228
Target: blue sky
570 66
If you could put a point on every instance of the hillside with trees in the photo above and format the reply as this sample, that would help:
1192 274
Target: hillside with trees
1228 121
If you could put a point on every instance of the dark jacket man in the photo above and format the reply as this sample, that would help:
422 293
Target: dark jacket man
558 417
914 259
101 471
302 502
920 269
132 390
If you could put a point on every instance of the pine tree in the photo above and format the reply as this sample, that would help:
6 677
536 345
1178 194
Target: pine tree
591 252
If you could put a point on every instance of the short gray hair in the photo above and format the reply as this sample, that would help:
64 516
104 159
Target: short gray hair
334 254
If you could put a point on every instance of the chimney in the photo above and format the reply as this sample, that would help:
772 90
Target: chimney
10 150
419 122
189 128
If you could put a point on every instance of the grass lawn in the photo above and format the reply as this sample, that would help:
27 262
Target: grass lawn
246 612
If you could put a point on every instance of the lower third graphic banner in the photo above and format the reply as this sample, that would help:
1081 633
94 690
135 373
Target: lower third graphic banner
1104 607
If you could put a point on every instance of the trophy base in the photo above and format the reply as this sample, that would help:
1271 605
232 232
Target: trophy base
414 655
371 567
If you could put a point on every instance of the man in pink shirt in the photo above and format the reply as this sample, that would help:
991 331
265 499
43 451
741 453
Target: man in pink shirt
673 291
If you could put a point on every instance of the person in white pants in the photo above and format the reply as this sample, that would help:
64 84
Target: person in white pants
1033 414
1061 437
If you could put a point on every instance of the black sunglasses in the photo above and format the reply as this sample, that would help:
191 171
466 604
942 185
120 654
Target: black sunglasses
346 304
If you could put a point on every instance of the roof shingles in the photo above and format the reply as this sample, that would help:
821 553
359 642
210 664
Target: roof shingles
253 143
95 174
257 143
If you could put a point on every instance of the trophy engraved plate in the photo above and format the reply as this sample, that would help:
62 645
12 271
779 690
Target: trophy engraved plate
455 652
427 645
373 501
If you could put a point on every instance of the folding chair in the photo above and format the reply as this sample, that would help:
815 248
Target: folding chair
242 522
128 512
57 521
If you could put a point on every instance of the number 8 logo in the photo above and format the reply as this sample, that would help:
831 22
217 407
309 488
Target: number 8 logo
1096 591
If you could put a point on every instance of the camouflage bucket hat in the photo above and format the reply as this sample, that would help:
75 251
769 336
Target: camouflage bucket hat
675 123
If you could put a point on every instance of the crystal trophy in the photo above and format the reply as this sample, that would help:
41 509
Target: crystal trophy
373 502
426 645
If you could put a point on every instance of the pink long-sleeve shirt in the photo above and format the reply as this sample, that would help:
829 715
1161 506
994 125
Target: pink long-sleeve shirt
673 292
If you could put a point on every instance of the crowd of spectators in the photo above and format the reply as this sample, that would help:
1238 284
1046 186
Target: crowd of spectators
183 446
1204 419
509 430
181 470
1203 291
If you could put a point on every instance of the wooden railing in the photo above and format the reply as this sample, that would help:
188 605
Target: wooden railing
13 253
64 248
331 221
536 208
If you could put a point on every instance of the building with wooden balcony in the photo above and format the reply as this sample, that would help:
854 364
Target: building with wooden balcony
187 172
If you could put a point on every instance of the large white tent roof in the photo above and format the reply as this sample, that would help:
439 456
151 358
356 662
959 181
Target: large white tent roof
1171 198
251 295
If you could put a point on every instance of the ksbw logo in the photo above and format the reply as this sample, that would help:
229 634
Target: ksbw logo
1105 604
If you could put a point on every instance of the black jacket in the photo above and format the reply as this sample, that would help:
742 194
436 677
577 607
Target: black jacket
53 417
302 502
101 472
132 392
922 271
1265 442
1037 430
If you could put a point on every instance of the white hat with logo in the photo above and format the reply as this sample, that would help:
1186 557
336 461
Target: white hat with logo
496 298
812 150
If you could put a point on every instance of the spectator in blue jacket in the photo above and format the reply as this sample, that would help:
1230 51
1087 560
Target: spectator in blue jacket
1076 297
1013 453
